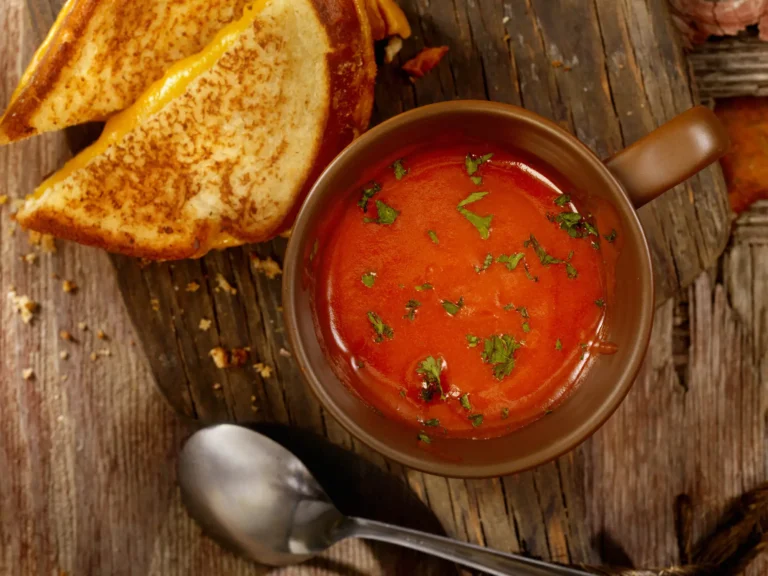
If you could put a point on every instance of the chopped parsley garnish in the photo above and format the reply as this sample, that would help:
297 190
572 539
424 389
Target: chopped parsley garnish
600 303
382 330
472 341
558 345
548 411
562 200
464 401
453 308
368 193
369 278
504 413
526 327
591 230
611 238
400 171
402 393
523 312
499 352
433 236
424 438
482 223
583 350
596 244
410 308
476 419
386 215
570 256
476 180
575 225
425 286
432 422
571 271
472 162
486 263
430 369
529 275
313 252
509 307
511 261
544 258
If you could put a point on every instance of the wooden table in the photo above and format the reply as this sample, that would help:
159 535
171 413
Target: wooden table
88 447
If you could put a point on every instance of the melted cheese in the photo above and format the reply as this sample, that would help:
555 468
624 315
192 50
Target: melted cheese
172 85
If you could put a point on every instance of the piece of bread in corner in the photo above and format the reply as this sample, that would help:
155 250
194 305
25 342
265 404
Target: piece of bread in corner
221 151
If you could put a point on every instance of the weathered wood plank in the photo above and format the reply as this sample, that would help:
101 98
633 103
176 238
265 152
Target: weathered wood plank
729 67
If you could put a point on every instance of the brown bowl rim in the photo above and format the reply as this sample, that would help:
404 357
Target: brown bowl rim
576 436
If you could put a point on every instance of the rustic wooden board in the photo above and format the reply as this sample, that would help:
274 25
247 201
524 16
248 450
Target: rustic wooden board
730 67
574 509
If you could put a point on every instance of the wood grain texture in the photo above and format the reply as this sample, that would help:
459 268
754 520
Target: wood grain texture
95 492
726 68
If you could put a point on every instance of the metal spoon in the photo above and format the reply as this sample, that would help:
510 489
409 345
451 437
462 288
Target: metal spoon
259 499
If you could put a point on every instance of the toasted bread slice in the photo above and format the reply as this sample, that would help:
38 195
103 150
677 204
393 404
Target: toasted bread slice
220 151
101 55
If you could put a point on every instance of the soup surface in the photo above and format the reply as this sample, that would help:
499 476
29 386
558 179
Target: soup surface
461 292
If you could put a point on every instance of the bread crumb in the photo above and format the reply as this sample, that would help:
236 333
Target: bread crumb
263 370
228 359
30 258
394 45
101 335
204 325
63 354
224 285
68 286
155 303
505 20
284 353
94 357
268 267
46 241
216 386
65 335
28 374
3 199
220 357
82 326
104 352
556 63
64 378
254 408
193 287
26 307
287 233
253 398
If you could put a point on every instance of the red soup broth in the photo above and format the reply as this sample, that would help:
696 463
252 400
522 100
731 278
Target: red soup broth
459 325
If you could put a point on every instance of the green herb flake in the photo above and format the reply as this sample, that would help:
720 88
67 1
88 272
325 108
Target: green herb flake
430 369
528 274
571 271
369 278
386 215
486 263
584 348
523 312
591 230
595 244
499 352
472 341
511 261
526 327
504 413
313 252
611 238
477 180
368 193
402 393
509 307
432 422
410 309
400 170
548 411
571 223
476 419
453 308
425 286
562 200
381 330
482 223
433 236
570 256
544 258
424 438
558 345
464 401
600 303
472 162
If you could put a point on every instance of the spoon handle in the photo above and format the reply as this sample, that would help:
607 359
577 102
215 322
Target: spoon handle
470 555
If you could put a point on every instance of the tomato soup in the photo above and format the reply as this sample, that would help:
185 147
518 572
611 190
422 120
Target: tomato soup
461 291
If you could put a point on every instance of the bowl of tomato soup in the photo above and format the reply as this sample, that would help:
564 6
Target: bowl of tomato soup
468 289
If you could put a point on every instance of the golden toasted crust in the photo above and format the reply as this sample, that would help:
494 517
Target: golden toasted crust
102 54
159 194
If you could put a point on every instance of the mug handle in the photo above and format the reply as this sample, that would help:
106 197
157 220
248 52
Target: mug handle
670 154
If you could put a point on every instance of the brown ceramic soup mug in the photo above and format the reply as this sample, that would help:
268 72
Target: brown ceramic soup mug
626 181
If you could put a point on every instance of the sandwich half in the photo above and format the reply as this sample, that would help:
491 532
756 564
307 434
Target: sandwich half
220 151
